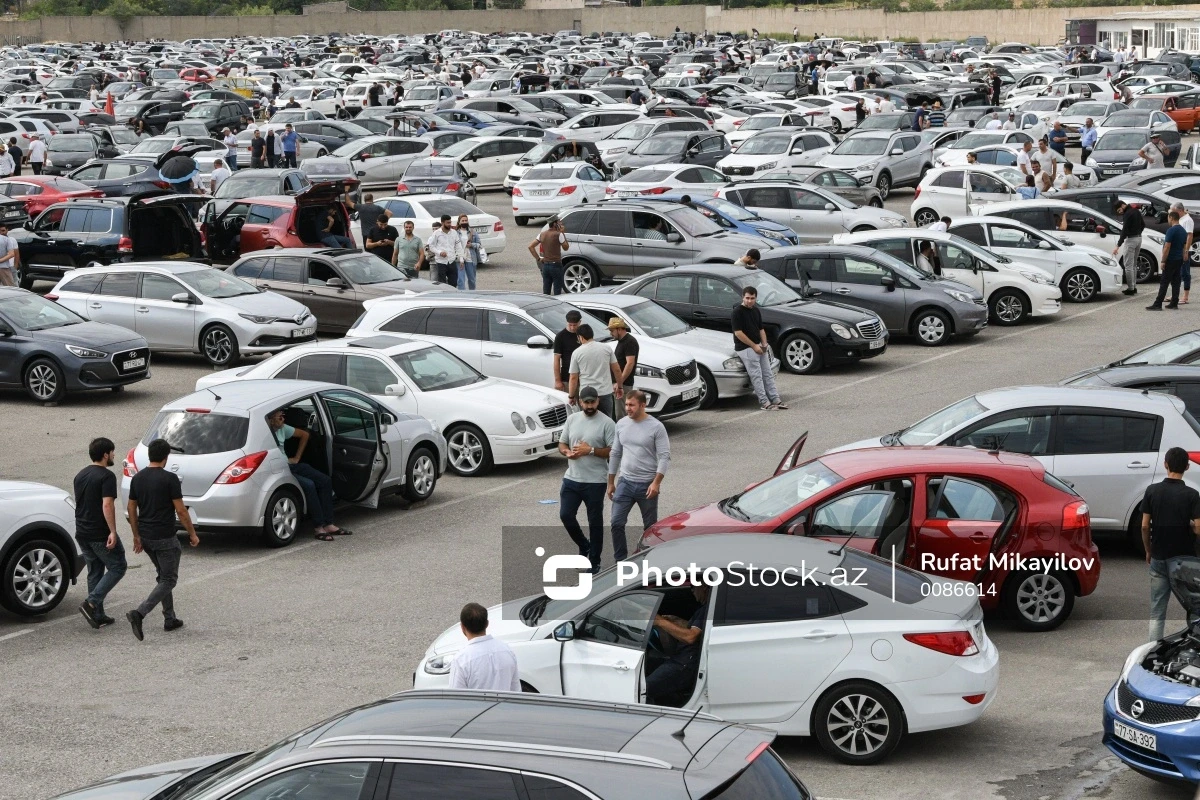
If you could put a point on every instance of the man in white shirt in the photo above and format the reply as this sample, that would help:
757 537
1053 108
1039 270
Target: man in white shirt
994 123
850 82
219 174
1045 157
886 105
1024 162
10 258
941 226
37 154
485 664
1011 123
7 166
444 250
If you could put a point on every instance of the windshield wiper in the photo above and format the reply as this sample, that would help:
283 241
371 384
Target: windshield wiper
892 439
730 507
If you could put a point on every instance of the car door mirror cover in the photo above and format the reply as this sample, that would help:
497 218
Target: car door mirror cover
335 283
395 390
888 282
538 342
674 237
182 297
565 632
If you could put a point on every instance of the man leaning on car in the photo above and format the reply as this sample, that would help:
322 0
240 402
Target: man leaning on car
1170 520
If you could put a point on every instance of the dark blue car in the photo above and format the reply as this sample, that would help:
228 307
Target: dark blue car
468 117
733 217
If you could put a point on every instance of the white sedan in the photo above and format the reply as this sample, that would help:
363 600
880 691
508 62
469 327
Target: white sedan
548 189
485 421
664 178
425 211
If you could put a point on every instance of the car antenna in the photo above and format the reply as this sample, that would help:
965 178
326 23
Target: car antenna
679 733
214 394
842 549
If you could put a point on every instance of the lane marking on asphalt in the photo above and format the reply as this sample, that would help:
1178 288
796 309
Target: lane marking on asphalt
15 634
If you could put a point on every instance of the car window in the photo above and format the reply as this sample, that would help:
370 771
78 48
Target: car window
399 208
264 215
438 781
325 367
748 597
91 173
987 184
251 268
120 284
855 270
952 179
1088 433
337 781
675 289
1004 236
972 233
159 287
766 197
506 327
808 201
84 284
287 270
1027 433
716 293
408 322
899 248
956 498
649 226
612 222
353 417
368 374
320 272
814 268
455 323
624 621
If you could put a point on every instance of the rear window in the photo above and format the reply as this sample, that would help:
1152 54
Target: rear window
884 577
194 434
765 779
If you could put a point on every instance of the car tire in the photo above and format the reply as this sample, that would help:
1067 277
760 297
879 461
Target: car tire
1038 601
420 476
579 276
1080 286
521 221
219 346
837 125
1008 307
875 202
468 452
854 716
708 389
884 184
1145 266
931 327
1193 254
281 521
23 279
35 578
44 381
322 153
925 217
800 353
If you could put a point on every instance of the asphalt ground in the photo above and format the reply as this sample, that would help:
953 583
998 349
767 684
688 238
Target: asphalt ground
278 639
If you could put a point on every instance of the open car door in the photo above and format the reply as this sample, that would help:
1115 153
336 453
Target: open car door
792 457
961 518
359 457
604 657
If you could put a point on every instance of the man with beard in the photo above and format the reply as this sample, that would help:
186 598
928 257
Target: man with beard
586 441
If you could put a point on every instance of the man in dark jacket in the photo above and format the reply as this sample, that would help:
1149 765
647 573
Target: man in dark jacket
1129 245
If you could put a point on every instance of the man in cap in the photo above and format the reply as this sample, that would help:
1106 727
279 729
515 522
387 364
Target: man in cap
1010 124
586 441
231 146
1152 152
626 352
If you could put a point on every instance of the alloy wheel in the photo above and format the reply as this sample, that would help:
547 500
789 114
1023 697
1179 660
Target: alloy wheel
858 724
577 278
43 383
466 451
1080 287
799 354
1009 308
37 578
423 475
285 518
217 346
1145 267
925 218
1041 597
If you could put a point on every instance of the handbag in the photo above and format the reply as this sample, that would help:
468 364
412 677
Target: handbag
483 256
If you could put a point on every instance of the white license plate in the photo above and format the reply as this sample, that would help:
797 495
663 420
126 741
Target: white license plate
133 363
877 343
626 194
555 436
1110 172
12 214
1146 740
424 190
481 229
691 394
539 193
300 333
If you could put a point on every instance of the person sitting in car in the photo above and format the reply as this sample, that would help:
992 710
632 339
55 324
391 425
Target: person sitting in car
671 683
329 235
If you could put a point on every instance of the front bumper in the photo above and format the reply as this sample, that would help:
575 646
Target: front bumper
275 336
1047 307
847 351
1176 754
665 400
528 446
970 319
102 373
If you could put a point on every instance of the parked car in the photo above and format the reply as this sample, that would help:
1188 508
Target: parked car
187 307
704 149
437 176
515 111
488 158
259 223
835 181
485 421
423 210
154 114
262 181
39 557
592 126
814 213
885 160
731 216
1177 350
776 148
1181 380
329 133
1116 151
428 98
49 350
908 300
65 152
554 153
960 191
1180 106
631 134
956 152
380 161
547 190
220 114
663 178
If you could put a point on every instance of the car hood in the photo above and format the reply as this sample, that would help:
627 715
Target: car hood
92 334
144 782
400 286
69 157
736 239
1111 156
846 162
822 309
504 623
705 519
265 304
512 396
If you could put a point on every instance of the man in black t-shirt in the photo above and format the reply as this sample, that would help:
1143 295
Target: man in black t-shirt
1170 520
369 211
750 345
626 353
671 683
96 530
381 239
155 501
566 342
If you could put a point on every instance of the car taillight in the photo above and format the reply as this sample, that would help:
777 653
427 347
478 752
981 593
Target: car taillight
916 193
517 192
567 190
974 699
737 123
400 187
433 154
609 190
498 227
241 469
1194 457
952 643
162 184
656 190
1076 516
847 108
125 245
452 187
129 466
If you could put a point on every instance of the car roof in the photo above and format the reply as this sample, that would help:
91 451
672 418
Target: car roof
331 252
240 397
385 344
481 297
849 463
1133 373
828 247
173 267
1093 396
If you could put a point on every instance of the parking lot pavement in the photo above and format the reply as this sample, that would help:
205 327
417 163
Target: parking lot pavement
278 639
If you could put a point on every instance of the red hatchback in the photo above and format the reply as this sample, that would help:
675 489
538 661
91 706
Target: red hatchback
997 520
39 192
231 228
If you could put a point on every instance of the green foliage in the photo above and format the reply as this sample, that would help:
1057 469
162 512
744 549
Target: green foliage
255 11
123 11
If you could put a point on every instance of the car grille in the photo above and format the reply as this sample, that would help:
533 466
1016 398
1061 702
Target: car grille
681 373
870 330
738 170
1154 712
281 341
119 359
554 416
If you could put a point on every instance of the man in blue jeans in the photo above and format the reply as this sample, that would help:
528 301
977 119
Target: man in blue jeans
290 140
1170 520
586 441
96 530
636 467
318 488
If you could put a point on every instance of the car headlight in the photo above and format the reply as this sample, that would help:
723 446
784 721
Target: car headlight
766 166
894 222
439 665
1091 162
530 423
86 352
865 180
1134 658
643 371
1105 260
257 320
1037 278
841 330
1155 237
961 297
1137 162
735 364
518 422
614 151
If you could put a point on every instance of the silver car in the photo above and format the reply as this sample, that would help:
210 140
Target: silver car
235 475
189 307
813 213
882 159
380 161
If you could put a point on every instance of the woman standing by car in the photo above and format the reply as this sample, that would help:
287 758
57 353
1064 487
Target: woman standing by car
472 248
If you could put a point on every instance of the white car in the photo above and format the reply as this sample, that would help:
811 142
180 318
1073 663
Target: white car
325 99
634 133
594 100
1082 272
39 557
760 122
425 211
592 126
1014 291
830 113
776 148
956 152
510 335
804 671
664 178
813 212
1005 155
485 421
726 120
422 98
955 191
488 157
547 189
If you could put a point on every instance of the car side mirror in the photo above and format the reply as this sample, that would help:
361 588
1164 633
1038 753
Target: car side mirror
564 632
472 174
897 151
387 418
888 282
6 331
537 342
182 297
830 207
335 283
363 156
1043 244
674 238
302 139
394 390
799 526
1103 231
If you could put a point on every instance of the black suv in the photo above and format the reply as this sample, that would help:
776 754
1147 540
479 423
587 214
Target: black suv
143 227
219 114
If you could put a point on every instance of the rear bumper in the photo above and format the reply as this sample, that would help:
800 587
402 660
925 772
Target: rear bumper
935 703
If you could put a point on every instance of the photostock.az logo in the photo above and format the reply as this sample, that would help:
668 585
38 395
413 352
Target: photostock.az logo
550 569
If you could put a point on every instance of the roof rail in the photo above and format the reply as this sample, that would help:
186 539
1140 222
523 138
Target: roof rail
506 747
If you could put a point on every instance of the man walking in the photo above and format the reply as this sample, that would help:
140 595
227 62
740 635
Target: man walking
547 250
566 342
290 141
1173 252
1087 139
155 503
626 353
594 365
445 247
1189 226
750 345
640 456
1129 244
409 251
485 664
96 530
1170 520
37 154
587 441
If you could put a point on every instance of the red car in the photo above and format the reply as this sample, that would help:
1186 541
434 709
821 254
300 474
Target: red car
996 519
39 192
233 227
195 75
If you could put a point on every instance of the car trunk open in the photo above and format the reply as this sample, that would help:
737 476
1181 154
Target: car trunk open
161 227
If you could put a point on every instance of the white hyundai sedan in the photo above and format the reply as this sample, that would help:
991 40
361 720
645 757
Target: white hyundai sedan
664 178
425 211
547 189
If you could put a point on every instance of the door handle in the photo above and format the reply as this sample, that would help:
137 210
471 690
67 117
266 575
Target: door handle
143 310
1137 465
95 305
979 536
841 291
699 314
817 636
637 244
494 355
621 665
309 291
264 286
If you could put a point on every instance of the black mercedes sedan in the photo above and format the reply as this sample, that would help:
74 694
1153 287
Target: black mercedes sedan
806 334
49 350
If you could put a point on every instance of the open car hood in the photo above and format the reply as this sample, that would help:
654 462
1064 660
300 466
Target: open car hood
1185 584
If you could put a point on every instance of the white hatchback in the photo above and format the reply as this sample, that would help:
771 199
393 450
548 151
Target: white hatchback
39 557
549 188
667 178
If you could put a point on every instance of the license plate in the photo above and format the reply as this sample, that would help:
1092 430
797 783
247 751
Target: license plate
480 229
1110 172
133 363
12 214
555 436
691 394
877 343
424 190
300 333
539 193
626 194
1146 740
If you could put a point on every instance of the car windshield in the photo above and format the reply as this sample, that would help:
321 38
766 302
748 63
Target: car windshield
771 290
433 369
781 493
939 423
693 222
634 130
861 146
449 205
251 185
430 169
204 111
660 146
353 131
126 109
73 144
1127 119
1152 103
1123 140
123 135
1046 104
765 145
731 210
879 123
1093 110
965 114
217 283
760 122
33 313
550 173
973 140
154 146
367 269
422 93
655 320
553 317
327 167
1165 352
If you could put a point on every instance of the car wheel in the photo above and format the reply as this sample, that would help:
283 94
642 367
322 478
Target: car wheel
44 381
521 221
1008 307
1193 254
708 389
837 125
861 228
420 476
470 455
875 202
579 276
931 327
800 354
884 184
1080 285
858 723
23 279
35 578
282 518
925 217
1038 601
219 346
1145 266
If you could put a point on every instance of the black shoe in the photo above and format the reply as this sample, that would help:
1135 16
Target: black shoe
1172 305
105 619
135 619
172 625
1154 307
89 614
1129 292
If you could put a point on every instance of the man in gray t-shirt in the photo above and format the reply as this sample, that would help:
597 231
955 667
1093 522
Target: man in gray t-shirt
586 441
594 364
636 468
10 258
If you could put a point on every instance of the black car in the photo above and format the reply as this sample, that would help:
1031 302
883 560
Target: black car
807 335
675 148
330 132
1181 380
220 114
119 177
143 227
50 350
154 114
67 151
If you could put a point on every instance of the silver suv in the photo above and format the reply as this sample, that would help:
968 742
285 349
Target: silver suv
619 240
883 159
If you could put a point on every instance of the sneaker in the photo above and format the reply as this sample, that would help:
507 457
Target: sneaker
89 614
1154 307
135 620
1171 305
780 406
104 619
172 625
1129 292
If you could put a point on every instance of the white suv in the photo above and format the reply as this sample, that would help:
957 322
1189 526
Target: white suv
39 558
